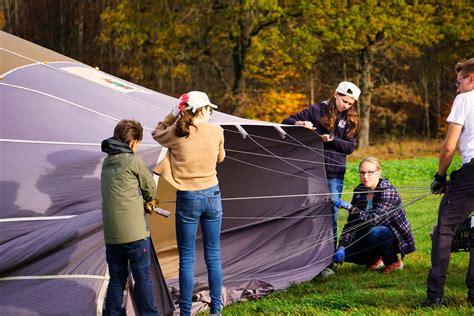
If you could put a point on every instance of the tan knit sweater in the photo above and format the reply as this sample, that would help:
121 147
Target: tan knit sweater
190 163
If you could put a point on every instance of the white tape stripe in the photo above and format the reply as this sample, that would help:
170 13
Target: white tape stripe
53 277
46 64
68 102
5 140
35 218
60 99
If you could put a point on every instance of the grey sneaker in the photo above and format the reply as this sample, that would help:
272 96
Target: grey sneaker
326 272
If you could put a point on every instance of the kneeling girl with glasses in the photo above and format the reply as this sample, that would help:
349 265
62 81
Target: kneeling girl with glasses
377 228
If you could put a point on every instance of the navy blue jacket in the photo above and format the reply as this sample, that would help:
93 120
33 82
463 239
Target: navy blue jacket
336 150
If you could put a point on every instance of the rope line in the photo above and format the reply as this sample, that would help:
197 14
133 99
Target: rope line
289 163
278 261
337 163
270 156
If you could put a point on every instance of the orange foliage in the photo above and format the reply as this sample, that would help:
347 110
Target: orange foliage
396 110
273 106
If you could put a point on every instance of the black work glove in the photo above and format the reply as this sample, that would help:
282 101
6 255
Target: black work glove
438 186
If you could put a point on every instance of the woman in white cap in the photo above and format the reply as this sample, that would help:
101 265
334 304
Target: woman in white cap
194 149
337 121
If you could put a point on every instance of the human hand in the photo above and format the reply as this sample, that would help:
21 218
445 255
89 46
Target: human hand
438 186
175 111
327 137
339 256
341 204
150 206
306 124
181 106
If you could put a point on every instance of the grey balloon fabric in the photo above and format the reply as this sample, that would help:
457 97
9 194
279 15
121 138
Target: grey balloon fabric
54 113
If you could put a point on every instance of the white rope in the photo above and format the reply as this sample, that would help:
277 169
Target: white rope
287 196
286 257
298 144
338 164
312 178
274 196
271 139
270 156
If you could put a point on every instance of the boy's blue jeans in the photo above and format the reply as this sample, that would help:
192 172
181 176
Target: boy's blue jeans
193 207
137 253
378 241
335 187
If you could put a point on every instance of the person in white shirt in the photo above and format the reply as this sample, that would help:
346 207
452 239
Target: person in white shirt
458 200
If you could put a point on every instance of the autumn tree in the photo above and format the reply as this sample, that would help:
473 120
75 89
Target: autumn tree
373 34
67 26
268 59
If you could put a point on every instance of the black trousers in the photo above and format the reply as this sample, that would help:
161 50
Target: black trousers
456 205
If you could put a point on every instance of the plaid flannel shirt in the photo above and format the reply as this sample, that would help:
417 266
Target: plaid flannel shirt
387 211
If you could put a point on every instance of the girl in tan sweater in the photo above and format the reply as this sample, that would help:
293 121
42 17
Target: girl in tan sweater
194 149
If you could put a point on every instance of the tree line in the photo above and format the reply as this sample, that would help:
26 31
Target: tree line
266 59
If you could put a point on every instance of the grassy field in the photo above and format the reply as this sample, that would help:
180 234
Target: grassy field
354 291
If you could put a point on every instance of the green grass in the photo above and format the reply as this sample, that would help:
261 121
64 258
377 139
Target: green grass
354 291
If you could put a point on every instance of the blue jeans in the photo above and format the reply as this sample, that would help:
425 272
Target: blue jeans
193 207
335 187
137 253
377 241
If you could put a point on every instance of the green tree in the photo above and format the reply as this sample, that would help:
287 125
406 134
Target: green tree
433 71
373 34
207 43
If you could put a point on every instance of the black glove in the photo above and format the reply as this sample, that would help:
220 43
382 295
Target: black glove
438 185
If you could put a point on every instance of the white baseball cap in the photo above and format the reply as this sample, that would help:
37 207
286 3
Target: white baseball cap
196 100
349 89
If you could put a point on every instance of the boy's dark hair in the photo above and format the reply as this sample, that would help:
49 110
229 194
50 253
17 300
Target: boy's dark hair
128 130
466 67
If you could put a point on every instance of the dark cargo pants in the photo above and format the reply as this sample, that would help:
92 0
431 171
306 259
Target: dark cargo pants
455 207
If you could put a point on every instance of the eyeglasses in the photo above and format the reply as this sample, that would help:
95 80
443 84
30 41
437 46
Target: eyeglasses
458 82
368 172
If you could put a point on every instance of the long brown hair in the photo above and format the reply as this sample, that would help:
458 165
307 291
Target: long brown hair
351 116
185 121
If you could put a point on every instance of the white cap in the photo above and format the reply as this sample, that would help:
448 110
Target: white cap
196 100
349 89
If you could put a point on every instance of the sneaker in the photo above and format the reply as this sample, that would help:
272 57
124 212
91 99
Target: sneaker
378 263
394 266
433 302
327 272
